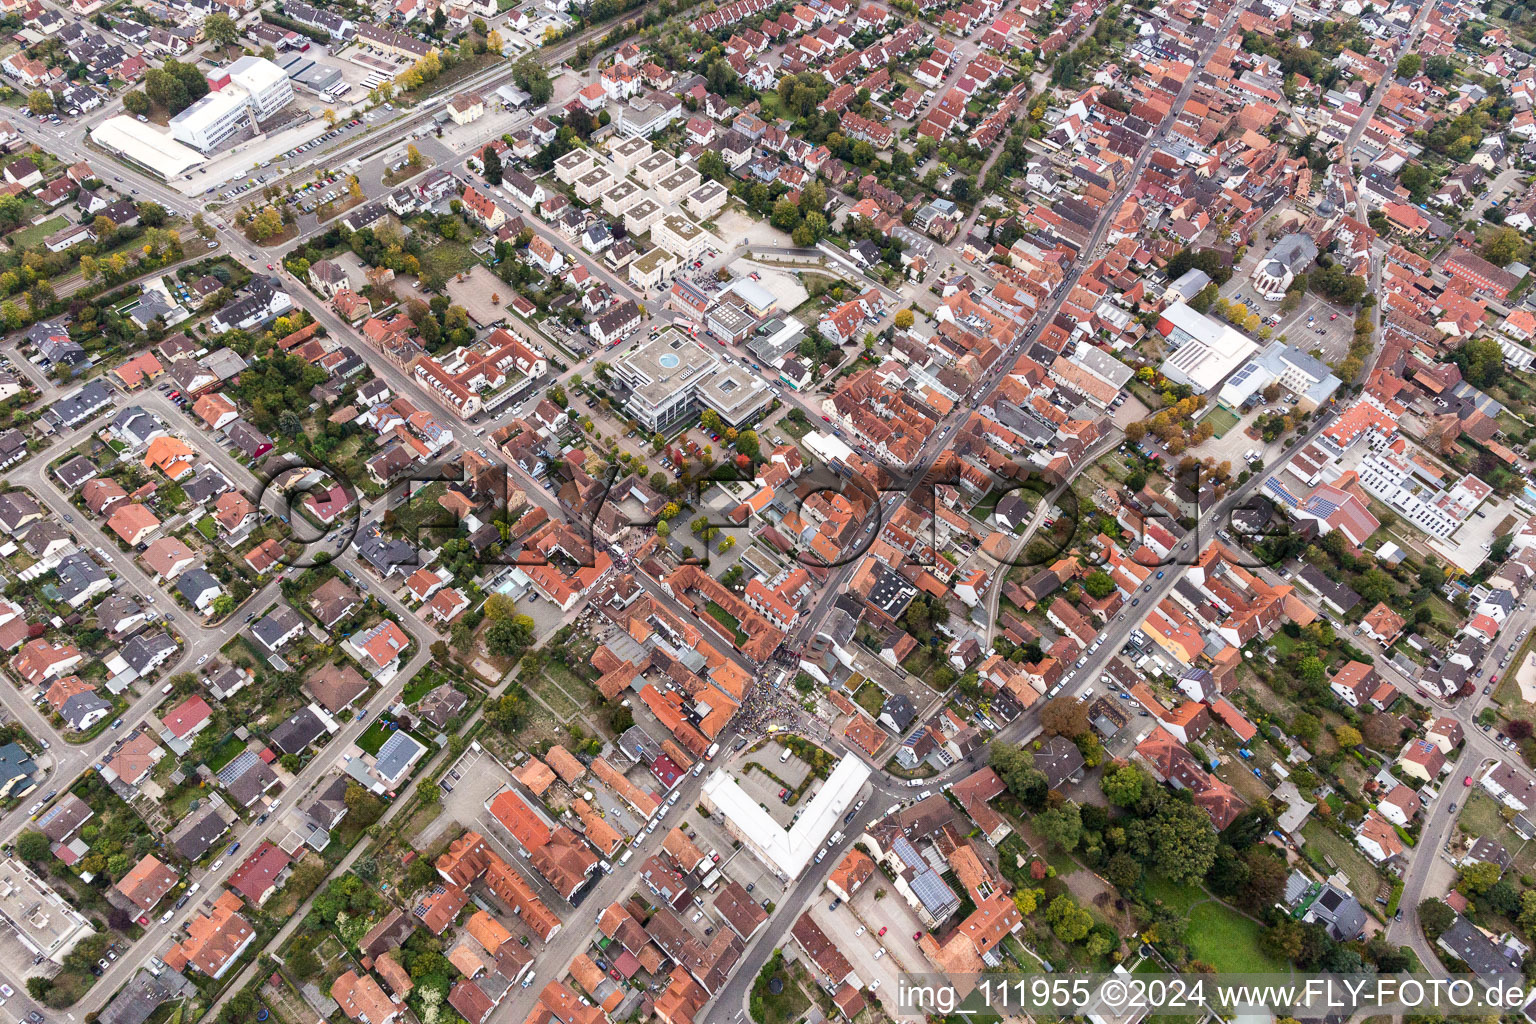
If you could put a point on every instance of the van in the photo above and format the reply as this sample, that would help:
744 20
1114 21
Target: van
168 687
714 748
784 756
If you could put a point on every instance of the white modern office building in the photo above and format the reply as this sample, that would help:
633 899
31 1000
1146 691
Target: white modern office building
206 124
267 87
248 92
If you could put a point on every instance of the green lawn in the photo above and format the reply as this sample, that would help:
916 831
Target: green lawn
870 697
446 259
782 1007
208 528
1228 941
1363 876
373 737
31 236
421 684
224 753
1178 897
727 620
1221 419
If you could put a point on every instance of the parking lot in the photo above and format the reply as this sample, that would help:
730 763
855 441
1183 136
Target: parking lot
856 927
480 776
1318 328
763 776
709 835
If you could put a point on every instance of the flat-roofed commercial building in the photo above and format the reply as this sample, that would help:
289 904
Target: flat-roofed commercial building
40 917
669 377
785 852
212 120
1205 351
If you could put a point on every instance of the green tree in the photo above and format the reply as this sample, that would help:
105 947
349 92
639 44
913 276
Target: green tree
1061 825
40 101
1476 879
1312 671
530 75
1069 922
363 808
492 163
1435 917
220 29
1177 840
508 638
1481 361
508 711
1098 584
785 216
1124 784
33 846
1016 767
1502 246
1408 65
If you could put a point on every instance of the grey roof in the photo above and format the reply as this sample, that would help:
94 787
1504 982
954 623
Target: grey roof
396 754
927 884
208 483
196 835
61 820
1296 251
75 409
1477 951
297 732
330 805
1488 851
386 554
239 766
82 705
76 471
194 582
899 711
137 1001
223 363
276 624
78 572
257 780
1059 759
441 703
138 424
114 609
16 506
1339 593
1340 911
247 438
142 651
14 763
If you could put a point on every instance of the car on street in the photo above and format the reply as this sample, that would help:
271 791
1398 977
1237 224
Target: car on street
882 931
7 991
1467 781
